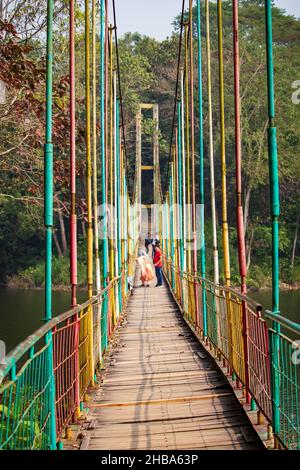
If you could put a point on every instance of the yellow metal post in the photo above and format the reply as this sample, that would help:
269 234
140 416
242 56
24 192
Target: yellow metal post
225 232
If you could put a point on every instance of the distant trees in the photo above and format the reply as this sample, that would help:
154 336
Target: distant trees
148 72
162 58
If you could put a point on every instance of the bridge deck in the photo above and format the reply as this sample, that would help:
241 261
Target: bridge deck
161 390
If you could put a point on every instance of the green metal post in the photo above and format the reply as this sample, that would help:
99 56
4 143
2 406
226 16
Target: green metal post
167 225
118 172
273 161
275 212
201 163
104 325
180 187
172 225
49 211
125 225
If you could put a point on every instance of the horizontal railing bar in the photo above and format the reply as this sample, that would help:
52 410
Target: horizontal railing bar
245 298
288 324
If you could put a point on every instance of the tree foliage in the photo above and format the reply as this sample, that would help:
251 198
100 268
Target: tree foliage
148 73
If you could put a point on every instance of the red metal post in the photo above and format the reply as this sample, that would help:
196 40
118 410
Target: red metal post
238 152
73 220
192 108
192 135
106 109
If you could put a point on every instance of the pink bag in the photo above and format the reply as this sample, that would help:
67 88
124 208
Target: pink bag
149 271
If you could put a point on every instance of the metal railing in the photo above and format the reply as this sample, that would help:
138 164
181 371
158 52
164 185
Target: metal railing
285 366
27 381
265 361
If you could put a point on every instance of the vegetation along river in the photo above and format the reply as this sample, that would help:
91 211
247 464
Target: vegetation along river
22 310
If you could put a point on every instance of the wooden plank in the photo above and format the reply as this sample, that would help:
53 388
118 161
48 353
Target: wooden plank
161 390
162 401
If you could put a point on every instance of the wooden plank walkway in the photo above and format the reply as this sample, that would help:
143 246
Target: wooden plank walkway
161 389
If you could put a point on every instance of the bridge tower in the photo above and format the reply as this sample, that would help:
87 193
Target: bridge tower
149 211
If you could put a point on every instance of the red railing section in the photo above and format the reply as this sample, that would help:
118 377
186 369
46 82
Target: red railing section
235 330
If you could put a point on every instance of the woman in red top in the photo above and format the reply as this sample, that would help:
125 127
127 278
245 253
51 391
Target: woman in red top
157 260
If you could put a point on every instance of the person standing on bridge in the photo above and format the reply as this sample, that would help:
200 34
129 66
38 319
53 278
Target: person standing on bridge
158 264
148 242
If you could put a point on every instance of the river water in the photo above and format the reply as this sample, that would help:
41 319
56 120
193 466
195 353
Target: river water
21 311
289 302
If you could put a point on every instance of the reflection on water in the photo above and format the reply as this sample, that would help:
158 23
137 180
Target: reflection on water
289 303
21 312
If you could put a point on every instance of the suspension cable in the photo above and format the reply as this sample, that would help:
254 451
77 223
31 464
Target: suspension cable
176 92
120 86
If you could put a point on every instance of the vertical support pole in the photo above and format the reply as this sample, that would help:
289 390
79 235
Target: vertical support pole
181 239
73 217
126 198
156 169
120 216
128 228
116 177
225 232
107 149
117 202
89 179
88 153
238 150
95 178
184 265
273 162
94 131
193 176
172 218
238 158
169 229
201 164
211 149
113 317
139 163
188 162
48 214
194 295
275 212
178 215
168 225
103 173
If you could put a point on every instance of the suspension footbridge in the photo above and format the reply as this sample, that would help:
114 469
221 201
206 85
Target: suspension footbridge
193 364
160 389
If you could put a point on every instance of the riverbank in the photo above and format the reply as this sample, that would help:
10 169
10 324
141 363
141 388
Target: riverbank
23 310
16 285
283 287
34 276
27 283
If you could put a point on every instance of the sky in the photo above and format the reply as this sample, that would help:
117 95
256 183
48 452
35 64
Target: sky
154 17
